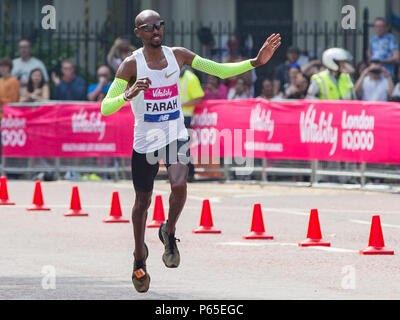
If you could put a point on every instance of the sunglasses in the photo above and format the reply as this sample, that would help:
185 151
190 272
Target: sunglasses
150 26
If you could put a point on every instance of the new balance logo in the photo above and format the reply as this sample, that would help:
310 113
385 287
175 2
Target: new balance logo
164 117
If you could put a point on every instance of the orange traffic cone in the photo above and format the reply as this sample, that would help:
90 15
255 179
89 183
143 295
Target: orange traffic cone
257 230
115 212
75 209
376 244
158 214
206 223
314 237
4 193
38 204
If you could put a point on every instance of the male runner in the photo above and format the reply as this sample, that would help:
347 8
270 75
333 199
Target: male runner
152 74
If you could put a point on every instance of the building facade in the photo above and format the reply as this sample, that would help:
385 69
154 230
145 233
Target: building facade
211 28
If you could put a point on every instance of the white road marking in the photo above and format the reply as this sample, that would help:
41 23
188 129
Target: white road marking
332 249
212 199
369 223
160 192
259 244
246 195
297 212
66 206
255 244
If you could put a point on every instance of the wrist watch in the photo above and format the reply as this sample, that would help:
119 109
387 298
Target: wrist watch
125 97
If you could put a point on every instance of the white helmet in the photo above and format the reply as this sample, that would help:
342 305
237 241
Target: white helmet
332 55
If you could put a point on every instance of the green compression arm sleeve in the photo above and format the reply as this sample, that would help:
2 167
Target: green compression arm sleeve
221 70
114 100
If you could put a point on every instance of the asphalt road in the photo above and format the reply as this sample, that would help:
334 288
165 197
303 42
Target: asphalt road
44 255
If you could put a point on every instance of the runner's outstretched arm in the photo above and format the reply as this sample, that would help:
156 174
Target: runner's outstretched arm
227 70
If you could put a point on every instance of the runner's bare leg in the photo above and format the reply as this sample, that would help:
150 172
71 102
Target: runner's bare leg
139 216
177 173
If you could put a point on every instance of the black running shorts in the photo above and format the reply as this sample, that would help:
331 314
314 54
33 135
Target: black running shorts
145 165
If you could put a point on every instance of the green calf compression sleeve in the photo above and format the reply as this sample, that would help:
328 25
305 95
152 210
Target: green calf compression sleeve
221 70
114 100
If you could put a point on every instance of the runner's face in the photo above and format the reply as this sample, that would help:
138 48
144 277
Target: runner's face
151 37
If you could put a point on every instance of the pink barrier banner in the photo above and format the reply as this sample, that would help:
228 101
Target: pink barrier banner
66 130
354 131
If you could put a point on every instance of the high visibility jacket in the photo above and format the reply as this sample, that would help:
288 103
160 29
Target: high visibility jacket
329 90
190 89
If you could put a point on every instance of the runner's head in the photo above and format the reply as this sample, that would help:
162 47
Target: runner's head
149 28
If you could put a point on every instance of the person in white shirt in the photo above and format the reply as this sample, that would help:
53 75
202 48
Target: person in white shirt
23 66
396 92
267 91
375 83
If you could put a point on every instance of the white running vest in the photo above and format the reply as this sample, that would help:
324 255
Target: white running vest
158 112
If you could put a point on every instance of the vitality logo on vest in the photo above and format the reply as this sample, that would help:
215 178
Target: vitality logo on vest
161 99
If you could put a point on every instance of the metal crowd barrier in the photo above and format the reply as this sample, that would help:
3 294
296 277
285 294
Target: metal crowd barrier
311 173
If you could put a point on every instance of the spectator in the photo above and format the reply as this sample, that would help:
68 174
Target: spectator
311 68
249 77
121 49
23 66
395 96
239 91
191 94
9 85
302 86
348 68
375 83
298 87
303 58
360 67
332 83
97 91
214 89
384 46
70 87
267 91
281 71
37 88
290 87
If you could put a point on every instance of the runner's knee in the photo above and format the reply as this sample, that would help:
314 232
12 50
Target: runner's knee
179 187
143 202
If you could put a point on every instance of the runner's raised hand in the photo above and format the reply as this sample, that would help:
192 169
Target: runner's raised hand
140 84
267 50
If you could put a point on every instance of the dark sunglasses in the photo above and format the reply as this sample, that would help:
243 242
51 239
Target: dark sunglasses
150 26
